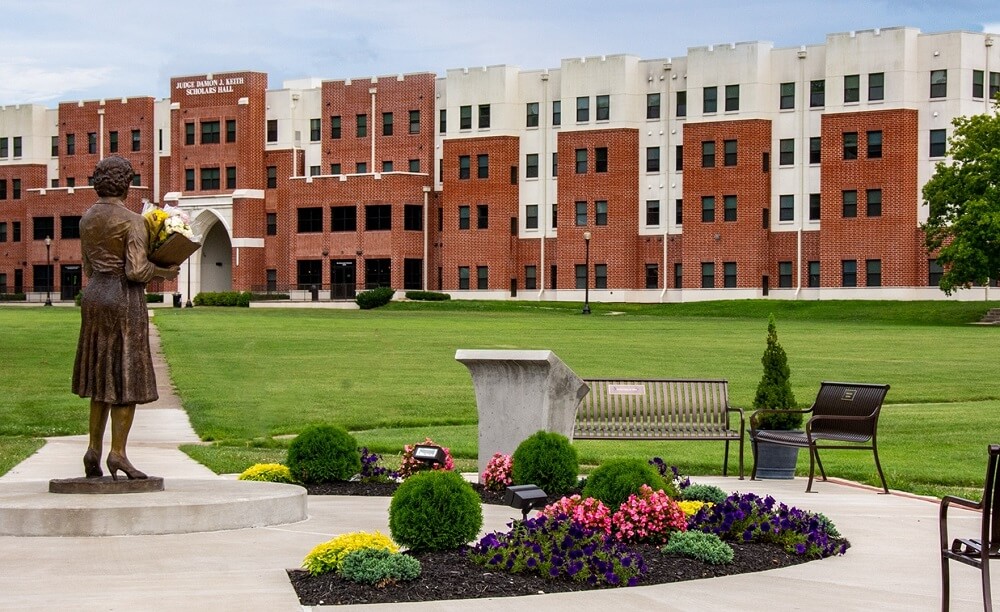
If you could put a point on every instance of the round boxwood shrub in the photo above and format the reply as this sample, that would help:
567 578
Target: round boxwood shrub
704 493
435 510
548 460
323 453
705 547
614 481
379 567
373 298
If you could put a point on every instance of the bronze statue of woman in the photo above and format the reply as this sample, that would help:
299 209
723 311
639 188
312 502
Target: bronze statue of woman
114 367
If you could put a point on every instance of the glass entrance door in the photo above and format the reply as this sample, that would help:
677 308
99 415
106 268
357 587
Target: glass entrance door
342 279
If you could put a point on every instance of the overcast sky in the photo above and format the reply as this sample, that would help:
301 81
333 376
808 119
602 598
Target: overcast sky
61 50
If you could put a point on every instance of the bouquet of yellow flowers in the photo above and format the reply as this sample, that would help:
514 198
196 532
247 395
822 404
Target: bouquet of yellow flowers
171 240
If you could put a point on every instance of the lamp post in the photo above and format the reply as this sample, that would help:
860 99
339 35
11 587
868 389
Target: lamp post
586 273
189 304
48 271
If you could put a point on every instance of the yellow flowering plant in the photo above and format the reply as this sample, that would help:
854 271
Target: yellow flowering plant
161 223
329 556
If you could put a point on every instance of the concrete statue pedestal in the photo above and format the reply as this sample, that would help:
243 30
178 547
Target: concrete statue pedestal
518 393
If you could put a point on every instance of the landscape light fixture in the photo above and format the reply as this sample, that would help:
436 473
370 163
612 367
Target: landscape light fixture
525 498
48 271
429 454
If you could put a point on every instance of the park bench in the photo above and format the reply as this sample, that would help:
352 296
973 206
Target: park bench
975 552
659 409
844 416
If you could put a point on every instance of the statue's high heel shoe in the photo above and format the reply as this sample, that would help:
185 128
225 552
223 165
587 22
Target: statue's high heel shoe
92 464
118 462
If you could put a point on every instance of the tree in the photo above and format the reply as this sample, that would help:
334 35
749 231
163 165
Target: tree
774 391
963 225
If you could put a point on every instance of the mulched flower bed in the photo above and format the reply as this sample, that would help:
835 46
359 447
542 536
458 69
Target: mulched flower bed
450 575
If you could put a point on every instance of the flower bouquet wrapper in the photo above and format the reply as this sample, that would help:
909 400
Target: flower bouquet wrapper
174 251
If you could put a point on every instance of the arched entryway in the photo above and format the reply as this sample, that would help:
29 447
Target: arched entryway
216 260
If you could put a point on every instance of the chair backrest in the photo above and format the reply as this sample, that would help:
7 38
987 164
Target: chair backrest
849 399
991 501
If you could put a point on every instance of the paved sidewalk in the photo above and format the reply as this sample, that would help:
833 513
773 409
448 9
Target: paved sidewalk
892 565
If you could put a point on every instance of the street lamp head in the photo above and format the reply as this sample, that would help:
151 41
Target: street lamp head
586 236
48 241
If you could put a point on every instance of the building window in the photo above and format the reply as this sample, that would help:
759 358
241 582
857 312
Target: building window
729 275
271 224
873 272
652 159
978 81
814 206
600 212
272 177
729 152
994 85
378 273
583 109
848 273
600 276
581 213
678 277
652 276
682 103
814 274
786 99
188 179
531 216
443 121
464 167
601 159
136 180
343 218
939 143
463 217
136 140
939 83
15 185
387 124
817 93
335 168
555 216
361 122
3 234
710 100
230 132
603 108
581 161
934 273
876 86
679 158
732 98
230 177
482 216
482 278
531 115
335 127
413 217
386 166
530 277
413 273
112 142
378 217
852 88
482 166
652 212
850 202
786 207
557 112
414 165
310 273
15 233
91 143
729 208
210 132
707 275
310 220
69 227
71 143
315 129
850 145
874 202
874 141
55 147
531 165
784 274
484 116
272 131
4 150
581 276
708 154
555 165
414 117
708 209
3 189
815 150
463 277
678 211
653 106
209 178
786 152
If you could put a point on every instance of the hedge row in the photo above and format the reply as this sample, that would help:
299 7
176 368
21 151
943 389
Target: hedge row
429 296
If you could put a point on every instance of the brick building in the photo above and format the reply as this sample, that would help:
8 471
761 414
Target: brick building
737 171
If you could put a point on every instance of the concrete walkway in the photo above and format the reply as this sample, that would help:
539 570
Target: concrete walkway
892 565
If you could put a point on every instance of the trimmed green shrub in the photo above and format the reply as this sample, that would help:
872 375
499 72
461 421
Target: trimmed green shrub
379 567
373 298
268 472
428 296
435 510
323 453
330 555
614 481
548 460
774 391
705 547
13 297
154 298
223 298
704 493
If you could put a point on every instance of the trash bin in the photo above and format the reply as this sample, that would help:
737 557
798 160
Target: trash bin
314 290
177 300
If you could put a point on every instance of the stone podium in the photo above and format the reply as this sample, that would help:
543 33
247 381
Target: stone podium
519 393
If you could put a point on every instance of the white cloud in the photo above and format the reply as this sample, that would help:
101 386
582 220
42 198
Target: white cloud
26 80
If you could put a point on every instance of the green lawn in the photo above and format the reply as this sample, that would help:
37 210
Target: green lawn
246 375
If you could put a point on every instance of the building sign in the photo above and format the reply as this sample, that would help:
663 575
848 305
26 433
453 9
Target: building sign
209 86
626 390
